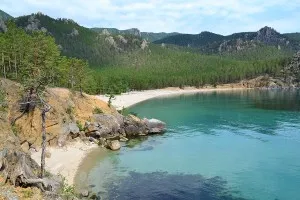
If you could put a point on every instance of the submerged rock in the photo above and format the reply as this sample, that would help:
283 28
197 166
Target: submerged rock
84 193
123 139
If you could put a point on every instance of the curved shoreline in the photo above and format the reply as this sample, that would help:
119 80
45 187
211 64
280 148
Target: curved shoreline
67 160
129 99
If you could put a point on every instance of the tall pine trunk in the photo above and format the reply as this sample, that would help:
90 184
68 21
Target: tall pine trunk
3 63
15 64
46 108
44 137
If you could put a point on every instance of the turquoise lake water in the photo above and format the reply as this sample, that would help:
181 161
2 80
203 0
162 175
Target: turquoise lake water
221 145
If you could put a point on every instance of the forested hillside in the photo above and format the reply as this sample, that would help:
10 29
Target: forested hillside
293 36
169 67
208 42
34 60
119 63
77 41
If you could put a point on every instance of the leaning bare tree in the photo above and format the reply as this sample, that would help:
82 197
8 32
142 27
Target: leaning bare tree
45 108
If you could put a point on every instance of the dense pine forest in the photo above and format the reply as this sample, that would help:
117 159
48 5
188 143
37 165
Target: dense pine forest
34 59
64 54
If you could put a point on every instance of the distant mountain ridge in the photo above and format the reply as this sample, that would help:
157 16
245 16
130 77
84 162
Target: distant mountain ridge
209 42
150 36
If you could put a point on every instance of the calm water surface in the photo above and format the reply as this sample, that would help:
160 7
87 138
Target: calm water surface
225 145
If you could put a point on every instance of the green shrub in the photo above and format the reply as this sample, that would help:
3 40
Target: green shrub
70 110
80 126
27 194
67 191
124 111
97 110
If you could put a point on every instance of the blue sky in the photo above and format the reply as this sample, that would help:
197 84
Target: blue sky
186 16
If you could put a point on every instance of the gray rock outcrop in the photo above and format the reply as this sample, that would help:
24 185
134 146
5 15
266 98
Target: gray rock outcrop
33 23
3 27
155 126
70 130
75 32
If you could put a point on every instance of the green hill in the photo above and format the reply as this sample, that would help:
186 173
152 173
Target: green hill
78 41
4 16
293 36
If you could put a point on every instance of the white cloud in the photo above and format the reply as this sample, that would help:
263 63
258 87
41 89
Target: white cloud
192 16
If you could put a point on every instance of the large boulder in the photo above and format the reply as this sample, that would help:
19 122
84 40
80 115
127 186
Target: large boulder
113 145
104 125
134 126
67 131
107 121
155 126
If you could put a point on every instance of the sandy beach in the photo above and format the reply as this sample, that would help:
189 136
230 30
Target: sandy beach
126 100
66 160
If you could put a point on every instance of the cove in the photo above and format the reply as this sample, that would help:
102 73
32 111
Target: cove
219 145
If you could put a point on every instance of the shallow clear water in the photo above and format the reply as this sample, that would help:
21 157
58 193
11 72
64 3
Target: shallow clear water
225 145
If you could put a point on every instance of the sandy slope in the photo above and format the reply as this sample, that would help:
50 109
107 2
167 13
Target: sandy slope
65 161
